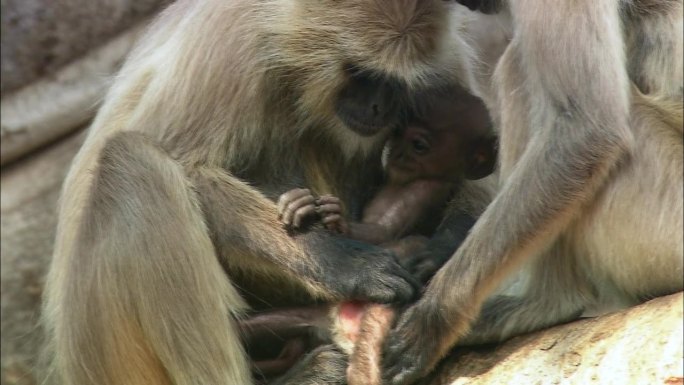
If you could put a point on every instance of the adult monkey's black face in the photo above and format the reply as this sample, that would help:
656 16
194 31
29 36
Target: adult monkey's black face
369 103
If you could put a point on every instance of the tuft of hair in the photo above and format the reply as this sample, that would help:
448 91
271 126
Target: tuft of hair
664 109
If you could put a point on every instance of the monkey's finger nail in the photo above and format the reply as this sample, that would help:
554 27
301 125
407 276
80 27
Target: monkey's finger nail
330 208
292 208
329 199
332 218
287 216
290 197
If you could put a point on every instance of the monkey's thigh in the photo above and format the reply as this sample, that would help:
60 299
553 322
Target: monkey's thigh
632 233
148 270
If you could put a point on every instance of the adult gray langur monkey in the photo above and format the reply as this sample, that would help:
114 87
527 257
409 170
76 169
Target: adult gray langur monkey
167 225
591 188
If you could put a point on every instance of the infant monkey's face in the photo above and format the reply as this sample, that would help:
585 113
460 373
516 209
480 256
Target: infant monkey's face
416 152
439 140
430 146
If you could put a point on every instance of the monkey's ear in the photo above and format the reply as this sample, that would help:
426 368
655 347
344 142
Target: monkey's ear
481 157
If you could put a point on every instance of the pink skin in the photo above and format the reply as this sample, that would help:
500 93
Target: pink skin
370 324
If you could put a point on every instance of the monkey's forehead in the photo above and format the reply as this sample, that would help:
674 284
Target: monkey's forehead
404 39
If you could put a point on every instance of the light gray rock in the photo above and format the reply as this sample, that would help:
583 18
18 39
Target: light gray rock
40 36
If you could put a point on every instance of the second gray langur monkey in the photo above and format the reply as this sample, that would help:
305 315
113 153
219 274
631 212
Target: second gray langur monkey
591 181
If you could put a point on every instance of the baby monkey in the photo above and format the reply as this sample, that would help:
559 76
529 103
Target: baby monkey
445 141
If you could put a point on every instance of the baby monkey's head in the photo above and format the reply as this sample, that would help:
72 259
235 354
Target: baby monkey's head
447 137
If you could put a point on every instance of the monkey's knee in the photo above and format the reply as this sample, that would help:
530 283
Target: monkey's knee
139 183
130 164
324 365
154 260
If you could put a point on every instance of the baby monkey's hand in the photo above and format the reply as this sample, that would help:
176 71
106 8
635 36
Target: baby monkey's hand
295 206
298 206
329 208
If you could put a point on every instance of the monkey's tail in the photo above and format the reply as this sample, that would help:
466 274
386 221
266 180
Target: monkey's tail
136 294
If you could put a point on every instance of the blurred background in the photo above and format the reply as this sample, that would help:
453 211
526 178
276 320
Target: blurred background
57 59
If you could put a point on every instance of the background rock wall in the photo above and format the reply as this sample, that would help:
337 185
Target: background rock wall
41 36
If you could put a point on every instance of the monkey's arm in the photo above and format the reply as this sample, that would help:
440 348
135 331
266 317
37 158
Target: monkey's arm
397 210
579 118
248 237
449 236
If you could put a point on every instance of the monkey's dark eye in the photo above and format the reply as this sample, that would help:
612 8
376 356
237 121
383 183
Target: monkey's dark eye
420 146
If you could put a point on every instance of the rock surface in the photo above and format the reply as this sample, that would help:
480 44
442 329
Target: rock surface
641 345
41 36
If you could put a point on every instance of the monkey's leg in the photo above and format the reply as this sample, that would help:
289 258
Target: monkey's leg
629 260
556 292
325 365
250 238
291 350
276 339
579 133
142 299
285 322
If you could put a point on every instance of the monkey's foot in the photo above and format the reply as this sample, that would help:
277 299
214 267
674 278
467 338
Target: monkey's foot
417 343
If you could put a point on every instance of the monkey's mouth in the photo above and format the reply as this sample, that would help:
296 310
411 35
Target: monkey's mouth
363 128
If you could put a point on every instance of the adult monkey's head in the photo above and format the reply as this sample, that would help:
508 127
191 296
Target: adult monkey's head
354 61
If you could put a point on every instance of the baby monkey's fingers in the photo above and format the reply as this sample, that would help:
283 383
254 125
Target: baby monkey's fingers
331 219
335 223
303 213
328 204
288 197
296 205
